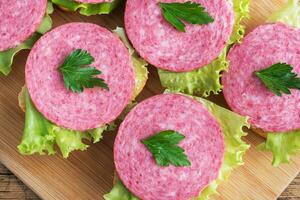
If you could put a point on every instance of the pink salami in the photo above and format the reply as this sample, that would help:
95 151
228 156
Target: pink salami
93 1
94 107
203 144
19 20
165 47
245 93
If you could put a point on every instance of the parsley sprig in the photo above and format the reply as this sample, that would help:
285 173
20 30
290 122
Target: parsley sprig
76 76
191 12
279 78
164 148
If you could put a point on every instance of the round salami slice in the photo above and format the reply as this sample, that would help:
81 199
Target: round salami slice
165 47
203 144
93 107
94 1
19 20
245 93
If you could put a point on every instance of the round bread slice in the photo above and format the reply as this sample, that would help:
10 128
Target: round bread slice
245 93
94 1
165 47
19 20
203 144
93 107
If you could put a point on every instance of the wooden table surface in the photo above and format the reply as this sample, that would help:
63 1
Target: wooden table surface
12 188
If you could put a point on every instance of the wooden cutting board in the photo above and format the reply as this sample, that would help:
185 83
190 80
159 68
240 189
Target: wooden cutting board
89 175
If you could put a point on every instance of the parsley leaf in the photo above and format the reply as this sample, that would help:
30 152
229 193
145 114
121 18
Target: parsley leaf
76 77
279 78
190 12
164 147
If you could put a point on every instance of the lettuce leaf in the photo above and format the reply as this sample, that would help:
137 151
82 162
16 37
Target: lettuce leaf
46 24
288 14
36 138
7 57
284 145
40 135
87 8
206 80
140 69
119 192
201 81
232 126
241 10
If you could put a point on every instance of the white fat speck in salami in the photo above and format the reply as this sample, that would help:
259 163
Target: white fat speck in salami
203 144
245 93
19 20
94 107
93 1
165 47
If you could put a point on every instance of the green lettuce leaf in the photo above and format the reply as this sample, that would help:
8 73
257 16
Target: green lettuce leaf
140 65
206 80
284 145
288 14
46 24
96 134
119 192
201 81
241 10
36 138
232 126
40 135
7 57
68 140
87 8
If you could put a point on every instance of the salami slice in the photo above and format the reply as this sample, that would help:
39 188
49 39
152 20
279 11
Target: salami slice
19 20
245 93
165 47
203 144
94 107
93 1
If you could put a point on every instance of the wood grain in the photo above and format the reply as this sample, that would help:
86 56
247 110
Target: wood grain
89 175
12 188
293 191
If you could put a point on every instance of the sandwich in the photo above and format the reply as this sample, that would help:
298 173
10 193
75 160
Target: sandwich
79 79
21 24
263 82
88 7
173 146
187 40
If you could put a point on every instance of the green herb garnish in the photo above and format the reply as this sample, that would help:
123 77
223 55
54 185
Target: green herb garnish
76 76
279 78
191 12
164 148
